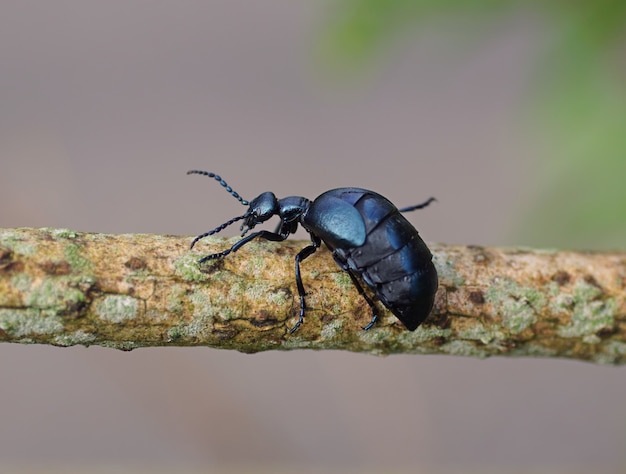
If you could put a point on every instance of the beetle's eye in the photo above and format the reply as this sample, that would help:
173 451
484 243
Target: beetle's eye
263 207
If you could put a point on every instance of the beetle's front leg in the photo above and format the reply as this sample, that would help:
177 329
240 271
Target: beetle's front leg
263 234
304 253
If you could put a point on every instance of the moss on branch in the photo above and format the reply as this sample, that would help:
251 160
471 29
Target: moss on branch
65 288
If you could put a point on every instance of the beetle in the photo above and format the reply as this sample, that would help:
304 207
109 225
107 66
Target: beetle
369 239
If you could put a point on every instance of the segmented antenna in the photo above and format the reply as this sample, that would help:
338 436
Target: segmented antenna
222 182
216 230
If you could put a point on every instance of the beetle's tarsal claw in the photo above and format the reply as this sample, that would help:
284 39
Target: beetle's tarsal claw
213 256
295 328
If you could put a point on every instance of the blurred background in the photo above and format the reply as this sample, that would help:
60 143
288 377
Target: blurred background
511 113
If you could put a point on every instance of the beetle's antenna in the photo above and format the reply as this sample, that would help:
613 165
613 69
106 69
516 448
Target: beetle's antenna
222 182
216 230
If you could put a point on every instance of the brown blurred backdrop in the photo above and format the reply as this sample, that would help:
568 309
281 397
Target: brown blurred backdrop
103 108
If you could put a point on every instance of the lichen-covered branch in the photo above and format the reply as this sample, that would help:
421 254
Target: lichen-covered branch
126 291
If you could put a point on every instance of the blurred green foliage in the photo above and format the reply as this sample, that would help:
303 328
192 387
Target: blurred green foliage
578 108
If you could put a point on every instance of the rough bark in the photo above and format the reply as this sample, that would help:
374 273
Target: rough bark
64 288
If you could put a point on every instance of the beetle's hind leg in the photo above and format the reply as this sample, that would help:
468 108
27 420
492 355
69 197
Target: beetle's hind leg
344 266
417 206
369 301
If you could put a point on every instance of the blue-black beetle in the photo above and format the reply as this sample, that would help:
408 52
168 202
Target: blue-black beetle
367 235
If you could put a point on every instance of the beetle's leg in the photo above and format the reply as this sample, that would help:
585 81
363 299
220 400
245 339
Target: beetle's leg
286 227
418 206
344 266
263 234
361 291
304 253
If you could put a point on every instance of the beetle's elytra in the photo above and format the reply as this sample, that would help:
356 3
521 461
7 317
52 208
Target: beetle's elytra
367 235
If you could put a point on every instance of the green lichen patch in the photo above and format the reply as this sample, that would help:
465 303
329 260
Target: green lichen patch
117 308
62 233
28 322
201 303
295 342
255 290
463 348
259 294
54 293
201 321
175 300
331 329
588 313
532 350
375 336
425 333
62 293
343 281
446 269
12 240
612 352
174 333
605 359
279 296
187 268
478 332
194 329
75 338
21 282
617 348
122 345
73 255
518 305
591 339
255 265
314 274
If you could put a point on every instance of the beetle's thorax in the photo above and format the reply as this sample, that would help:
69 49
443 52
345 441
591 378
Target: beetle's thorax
292 208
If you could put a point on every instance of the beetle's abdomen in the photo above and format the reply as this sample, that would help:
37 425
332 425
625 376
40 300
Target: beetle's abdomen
394 261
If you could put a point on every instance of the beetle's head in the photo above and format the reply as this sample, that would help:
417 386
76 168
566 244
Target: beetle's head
261 209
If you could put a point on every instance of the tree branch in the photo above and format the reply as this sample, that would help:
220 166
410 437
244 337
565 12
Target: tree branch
126 291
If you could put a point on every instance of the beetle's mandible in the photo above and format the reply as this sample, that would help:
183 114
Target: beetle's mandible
369 239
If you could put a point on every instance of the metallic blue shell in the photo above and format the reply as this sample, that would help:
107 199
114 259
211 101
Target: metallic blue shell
370 237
